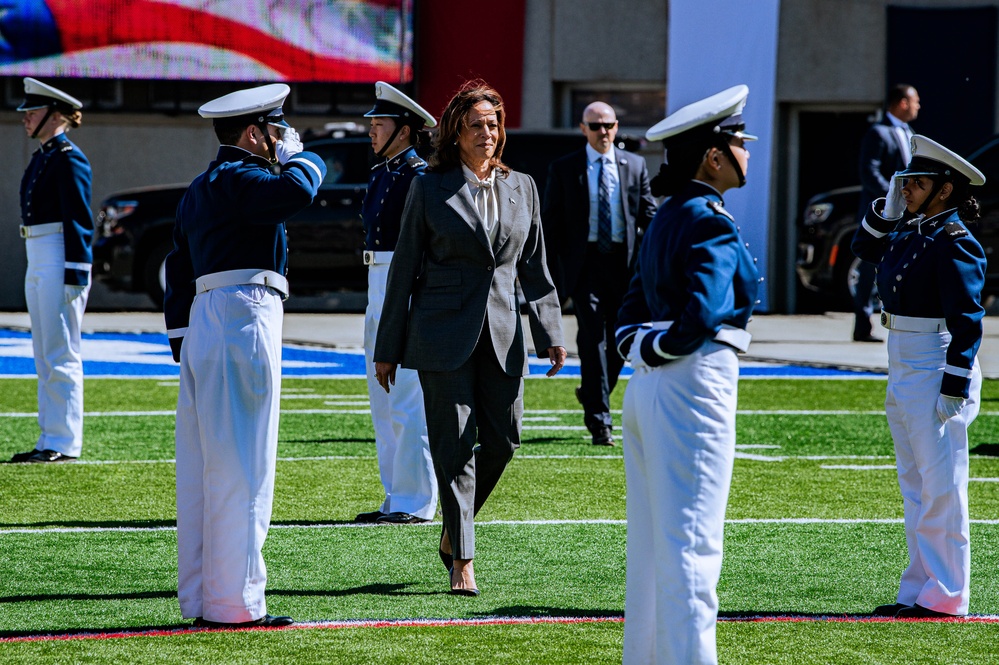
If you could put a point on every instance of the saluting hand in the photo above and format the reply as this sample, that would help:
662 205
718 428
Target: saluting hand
556 354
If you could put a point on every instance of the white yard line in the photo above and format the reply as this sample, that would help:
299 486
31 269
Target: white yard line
788 521
334 412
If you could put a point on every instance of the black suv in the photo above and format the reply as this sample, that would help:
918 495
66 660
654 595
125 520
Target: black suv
827 267
325 241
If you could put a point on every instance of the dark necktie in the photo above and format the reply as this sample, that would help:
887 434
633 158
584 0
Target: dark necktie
603 209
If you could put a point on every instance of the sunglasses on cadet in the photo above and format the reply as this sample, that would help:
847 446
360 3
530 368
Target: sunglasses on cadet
595 126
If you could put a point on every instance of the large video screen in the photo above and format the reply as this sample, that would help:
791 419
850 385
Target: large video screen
341 41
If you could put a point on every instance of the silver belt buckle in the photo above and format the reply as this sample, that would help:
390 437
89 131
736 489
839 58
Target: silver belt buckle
884 319
23 231
369 258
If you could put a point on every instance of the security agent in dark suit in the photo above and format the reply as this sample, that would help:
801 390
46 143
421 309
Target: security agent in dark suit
884 150
596 201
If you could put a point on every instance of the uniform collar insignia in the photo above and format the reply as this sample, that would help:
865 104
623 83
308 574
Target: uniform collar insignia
717 207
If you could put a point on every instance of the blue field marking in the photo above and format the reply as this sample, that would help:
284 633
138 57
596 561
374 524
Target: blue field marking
147 355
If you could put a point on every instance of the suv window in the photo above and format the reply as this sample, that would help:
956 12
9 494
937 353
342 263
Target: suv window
986 159
346 161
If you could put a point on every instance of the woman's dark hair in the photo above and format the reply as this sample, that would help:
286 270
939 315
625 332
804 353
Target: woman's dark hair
682 161
445 141
967 207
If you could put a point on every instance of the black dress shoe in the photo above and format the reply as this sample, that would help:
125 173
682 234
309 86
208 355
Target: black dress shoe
42 456
920 612
266 621
888 610
22 457
400 518
369 518
602 436
867 338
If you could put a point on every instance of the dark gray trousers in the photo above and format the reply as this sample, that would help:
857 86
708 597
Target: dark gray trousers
479 402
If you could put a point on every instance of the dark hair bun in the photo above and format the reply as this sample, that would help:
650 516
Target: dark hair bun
969 210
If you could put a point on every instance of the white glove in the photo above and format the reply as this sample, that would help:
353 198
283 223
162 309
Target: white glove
894 201
635 352
948 407
289 145
72 292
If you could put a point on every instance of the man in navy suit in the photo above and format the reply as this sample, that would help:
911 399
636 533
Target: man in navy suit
596 202
884 150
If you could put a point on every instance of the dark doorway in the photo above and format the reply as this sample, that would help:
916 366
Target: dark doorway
949 55
829 145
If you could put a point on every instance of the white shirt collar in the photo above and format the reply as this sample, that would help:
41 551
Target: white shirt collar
895 121
592 155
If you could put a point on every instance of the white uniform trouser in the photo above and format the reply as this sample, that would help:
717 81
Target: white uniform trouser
227 431
55 338
679 446
404 462
932 460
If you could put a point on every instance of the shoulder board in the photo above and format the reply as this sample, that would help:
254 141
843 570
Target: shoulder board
717 207
955 230
415 162
66 148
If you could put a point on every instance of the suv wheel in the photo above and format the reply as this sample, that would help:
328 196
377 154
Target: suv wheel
154 271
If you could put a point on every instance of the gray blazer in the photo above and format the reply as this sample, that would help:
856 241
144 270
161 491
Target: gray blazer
446 281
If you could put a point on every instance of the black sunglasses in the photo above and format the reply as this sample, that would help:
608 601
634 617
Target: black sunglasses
595 126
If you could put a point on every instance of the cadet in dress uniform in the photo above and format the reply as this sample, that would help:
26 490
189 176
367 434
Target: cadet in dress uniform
930 277
404 462
680 325
223 306
57 228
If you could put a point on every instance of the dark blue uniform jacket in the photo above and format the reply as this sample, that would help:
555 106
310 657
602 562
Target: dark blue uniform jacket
232 218
385 198
693 269
56 188
936 270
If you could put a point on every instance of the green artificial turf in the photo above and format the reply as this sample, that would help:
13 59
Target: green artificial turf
551 539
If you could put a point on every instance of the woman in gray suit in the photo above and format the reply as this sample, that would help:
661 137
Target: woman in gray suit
470 228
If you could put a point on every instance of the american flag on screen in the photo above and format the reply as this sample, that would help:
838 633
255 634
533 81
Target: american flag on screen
354 41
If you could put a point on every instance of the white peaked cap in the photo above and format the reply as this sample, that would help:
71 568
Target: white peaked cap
721 112
38 95
262 100
929 158
393 103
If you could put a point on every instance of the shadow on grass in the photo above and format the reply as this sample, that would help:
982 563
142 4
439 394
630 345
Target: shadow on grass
337 439
368 589
110 630
49 597
365 590
987 449
750 615
543 612
79 524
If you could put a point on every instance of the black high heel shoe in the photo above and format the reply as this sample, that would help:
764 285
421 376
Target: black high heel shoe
446 559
